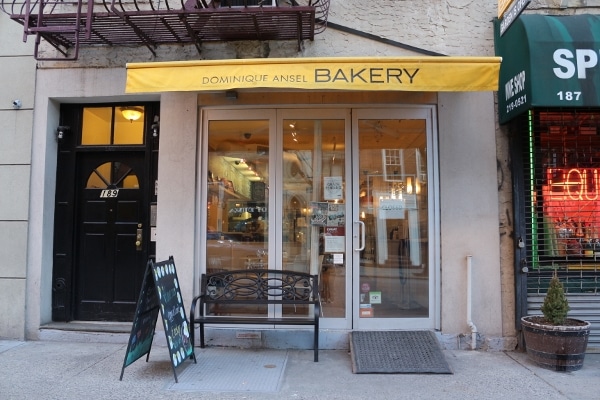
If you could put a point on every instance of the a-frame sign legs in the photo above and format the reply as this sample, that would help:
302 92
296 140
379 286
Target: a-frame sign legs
160 293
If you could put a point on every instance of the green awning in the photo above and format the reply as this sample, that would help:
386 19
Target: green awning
548 61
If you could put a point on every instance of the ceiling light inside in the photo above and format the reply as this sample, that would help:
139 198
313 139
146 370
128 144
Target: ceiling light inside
132 113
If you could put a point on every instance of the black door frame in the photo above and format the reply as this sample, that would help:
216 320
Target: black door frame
65 218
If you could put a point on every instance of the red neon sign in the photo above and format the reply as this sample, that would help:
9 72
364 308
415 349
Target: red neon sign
574 183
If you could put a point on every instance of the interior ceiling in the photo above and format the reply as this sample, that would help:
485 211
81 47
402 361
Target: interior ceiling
244 143
396 134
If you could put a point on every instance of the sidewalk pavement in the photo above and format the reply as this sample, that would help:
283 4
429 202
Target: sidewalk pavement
70 370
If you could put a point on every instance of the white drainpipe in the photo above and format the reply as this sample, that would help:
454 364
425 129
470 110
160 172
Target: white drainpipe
469 300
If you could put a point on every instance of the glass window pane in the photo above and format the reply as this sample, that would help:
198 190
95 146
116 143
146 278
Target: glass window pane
393 206
96 126
100 177
129 131
568 178
113 175
313 160
237 187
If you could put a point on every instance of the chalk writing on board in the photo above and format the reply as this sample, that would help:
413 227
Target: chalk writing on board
160 293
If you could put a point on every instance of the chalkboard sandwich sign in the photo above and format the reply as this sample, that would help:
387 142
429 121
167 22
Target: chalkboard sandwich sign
160 293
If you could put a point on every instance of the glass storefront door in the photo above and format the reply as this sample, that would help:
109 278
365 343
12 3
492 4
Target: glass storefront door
302 189
393 285
237 174
314 204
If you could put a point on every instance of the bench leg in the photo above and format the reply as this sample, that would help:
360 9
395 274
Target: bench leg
316 343
202 336
192 334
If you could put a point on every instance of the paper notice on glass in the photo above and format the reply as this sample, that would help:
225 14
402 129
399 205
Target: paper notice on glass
318 213
334 244
336 215
375 297
332 188
338 258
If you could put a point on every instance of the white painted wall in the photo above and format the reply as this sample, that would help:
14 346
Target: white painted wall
469 212
176 201
17 82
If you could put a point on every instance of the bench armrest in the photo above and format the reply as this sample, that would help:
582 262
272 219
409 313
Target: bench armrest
199 298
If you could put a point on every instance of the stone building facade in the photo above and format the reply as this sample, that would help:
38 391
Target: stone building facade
469 207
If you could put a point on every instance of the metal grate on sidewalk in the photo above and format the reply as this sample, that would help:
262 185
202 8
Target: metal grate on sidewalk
397 352
233 370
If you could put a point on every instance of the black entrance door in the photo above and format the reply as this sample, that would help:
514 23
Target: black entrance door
105 178
111 251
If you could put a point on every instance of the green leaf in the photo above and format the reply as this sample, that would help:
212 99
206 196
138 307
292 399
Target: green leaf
556 305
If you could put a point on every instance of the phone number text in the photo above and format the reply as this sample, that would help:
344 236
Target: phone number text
516 103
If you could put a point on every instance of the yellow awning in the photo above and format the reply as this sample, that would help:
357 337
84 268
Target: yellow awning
433 74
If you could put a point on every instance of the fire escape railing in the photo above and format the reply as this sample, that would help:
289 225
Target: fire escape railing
69 25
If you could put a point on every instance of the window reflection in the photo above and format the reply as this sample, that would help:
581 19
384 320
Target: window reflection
393 207
313 161
238 208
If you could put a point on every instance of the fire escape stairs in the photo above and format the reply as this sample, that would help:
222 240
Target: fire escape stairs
68 25
35 23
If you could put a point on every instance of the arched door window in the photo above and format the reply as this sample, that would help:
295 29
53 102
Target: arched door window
113 175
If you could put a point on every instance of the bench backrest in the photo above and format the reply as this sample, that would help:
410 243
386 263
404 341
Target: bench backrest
260 286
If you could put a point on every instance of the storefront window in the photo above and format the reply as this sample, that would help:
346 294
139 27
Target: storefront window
321 193
313 161
565 219
237 209
393 198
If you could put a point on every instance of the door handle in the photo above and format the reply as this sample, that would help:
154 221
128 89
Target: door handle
362 236
138 238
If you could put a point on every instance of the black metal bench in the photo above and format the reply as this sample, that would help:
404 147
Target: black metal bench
221 292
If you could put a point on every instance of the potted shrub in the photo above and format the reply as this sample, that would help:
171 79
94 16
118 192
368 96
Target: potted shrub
554 341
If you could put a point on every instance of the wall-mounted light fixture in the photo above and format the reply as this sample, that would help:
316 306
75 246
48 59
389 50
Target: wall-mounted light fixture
61 132
231 95
132 113
155 126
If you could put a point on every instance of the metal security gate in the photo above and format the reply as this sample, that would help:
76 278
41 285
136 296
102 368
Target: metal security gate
556 169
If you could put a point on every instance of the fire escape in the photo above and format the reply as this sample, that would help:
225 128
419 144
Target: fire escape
69 25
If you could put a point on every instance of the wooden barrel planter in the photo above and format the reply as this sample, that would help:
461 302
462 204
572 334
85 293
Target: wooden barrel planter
556 347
